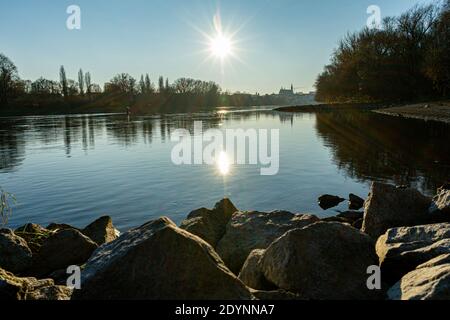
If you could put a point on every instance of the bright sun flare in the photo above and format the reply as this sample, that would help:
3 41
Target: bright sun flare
220 46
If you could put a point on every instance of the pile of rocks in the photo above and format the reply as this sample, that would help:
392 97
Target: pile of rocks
32 251
225 253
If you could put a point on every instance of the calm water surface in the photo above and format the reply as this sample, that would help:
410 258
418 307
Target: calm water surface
73 169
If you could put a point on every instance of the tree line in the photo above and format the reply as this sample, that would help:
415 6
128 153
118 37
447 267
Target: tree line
123 90
407 59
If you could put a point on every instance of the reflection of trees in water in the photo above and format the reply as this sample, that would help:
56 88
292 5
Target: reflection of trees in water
81 129
67 134
367 145
123 131
16 133
12 144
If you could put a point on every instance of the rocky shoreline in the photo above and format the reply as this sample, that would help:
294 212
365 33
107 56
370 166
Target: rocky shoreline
439 111
432 111
227 254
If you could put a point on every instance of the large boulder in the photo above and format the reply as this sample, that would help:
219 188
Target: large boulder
210 224
15 255
322 261
430 281
62 249
159 261
401 250
252 273
389 207
15 288
101 231
248 231
34 235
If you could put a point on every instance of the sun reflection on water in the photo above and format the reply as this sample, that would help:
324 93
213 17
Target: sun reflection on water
223 164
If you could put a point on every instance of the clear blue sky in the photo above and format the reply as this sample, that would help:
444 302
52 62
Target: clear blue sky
280 41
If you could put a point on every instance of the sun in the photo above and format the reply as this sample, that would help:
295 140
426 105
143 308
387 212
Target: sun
220 46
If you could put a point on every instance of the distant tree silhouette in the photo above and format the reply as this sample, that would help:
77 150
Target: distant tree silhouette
8 78
63 82
148 85
72 87
161 84
184 85
142 88
81 81
45 87
88 82
123 83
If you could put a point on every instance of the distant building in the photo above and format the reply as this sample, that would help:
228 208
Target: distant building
287 92
289 97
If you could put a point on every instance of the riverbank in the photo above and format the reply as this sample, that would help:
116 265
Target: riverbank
397 249
434 111
330 107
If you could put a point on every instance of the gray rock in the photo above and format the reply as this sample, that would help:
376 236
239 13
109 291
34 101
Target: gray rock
441 202
101 231
252 273
210 224
401 250
430 281
351 215
158 261
355 202
389 207
62 249
322 261
248 231
15 255
16 288
327 201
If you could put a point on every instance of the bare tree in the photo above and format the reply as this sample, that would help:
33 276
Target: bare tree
8 75
121 83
